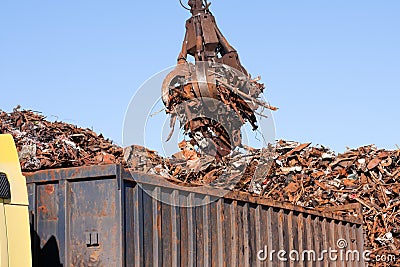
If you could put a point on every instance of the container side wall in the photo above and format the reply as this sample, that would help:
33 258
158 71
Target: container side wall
77 220
224 232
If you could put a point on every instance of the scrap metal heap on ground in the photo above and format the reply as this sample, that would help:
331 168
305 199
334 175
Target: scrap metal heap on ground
310 176
46 145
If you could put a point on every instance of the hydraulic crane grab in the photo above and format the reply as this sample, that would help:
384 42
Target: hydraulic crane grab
214 97
204 41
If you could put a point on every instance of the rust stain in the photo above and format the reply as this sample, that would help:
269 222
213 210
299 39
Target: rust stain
94 257
49 189
43 209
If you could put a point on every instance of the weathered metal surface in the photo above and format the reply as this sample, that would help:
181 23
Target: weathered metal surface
70 206
75 217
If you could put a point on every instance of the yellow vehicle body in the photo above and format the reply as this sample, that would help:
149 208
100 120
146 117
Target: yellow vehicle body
15 243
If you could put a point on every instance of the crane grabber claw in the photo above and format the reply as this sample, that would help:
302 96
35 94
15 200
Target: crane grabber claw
193 91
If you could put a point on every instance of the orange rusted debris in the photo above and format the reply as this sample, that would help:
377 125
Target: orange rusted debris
188 151
43 144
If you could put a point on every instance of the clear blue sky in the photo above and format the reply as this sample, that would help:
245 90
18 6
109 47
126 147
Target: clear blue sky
332 67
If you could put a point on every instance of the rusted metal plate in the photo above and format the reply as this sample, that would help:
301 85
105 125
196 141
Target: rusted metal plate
94 214
166 230
190 37
129 225
209 34
229 233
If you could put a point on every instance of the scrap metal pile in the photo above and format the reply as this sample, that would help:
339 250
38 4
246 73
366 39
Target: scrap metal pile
309 176
315 177
43 144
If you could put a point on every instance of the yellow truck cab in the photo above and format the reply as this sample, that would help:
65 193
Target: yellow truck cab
15 250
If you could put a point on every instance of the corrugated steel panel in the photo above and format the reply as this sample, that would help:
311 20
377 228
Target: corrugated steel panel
99 216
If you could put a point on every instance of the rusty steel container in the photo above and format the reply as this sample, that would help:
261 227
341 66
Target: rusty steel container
100 216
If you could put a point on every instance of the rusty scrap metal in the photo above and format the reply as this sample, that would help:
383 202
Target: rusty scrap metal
43 144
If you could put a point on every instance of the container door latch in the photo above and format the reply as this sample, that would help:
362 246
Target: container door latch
92 239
